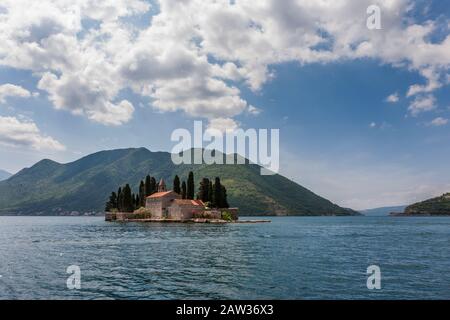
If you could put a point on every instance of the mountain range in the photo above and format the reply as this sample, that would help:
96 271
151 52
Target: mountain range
383 211
82 186
4 175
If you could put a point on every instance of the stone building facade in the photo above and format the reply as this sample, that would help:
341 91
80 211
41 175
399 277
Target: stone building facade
183 209
169 205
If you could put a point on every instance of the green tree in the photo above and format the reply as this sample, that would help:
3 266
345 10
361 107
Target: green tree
176 185
210 192
138 202
127 199
217 193
142 194
112 202
183 190
224 200
153 187
120 199
190 186
148 185
203 190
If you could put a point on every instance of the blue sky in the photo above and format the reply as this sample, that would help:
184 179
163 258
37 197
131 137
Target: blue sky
340 137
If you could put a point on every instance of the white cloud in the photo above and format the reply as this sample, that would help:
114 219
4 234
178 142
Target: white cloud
223 124
433 83
82 95
439 121
372 125
24 133
393 98
113 114
193 54
11 90
422 104
204 97
253 110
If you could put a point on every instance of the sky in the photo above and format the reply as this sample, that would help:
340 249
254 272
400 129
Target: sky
363 113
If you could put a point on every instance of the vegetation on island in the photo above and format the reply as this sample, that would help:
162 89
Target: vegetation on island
439 206
227 216
124 200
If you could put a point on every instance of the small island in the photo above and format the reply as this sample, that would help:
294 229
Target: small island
155 203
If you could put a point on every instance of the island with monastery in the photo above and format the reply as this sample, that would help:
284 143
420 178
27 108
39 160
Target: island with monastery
156 203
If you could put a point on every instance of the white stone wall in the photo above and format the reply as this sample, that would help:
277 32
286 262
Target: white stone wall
155 206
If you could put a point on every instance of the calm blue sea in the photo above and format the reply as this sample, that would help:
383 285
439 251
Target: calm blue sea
290 258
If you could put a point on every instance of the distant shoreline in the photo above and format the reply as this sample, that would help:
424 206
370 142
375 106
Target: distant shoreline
401 214
102 214
248 216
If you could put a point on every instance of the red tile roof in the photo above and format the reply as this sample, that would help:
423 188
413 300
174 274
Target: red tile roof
187 202
159 194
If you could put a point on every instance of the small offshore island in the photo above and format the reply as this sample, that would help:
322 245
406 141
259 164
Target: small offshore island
155 203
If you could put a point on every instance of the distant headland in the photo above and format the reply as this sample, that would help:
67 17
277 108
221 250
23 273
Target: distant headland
439 206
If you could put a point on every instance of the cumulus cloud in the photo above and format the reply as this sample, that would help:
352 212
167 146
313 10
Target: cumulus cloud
208 97
192 56
82 95
73 62
11 90
437 122
422 104
16 132
393 98
223 124
433 83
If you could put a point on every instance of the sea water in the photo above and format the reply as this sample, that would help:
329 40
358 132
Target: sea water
289 258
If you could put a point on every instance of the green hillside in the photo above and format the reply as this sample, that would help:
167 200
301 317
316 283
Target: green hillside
439 206
49 187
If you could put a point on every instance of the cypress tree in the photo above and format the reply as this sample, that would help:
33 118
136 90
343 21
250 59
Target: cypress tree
112 202
148 190
153 187
190 186
138 202
119 199
203 191
127 199
183 190
217 193
133 200
142 194
210 192
224 199
176 185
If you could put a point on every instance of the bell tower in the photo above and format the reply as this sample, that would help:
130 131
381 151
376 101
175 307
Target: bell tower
162 186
